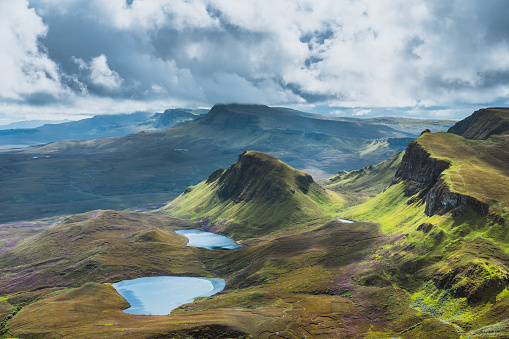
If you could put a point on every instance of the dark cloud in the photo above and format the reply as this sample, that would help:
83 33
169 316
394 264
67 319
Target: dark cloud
327 54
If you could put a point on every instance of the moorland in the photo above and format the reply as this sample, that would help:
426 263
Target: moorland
426 256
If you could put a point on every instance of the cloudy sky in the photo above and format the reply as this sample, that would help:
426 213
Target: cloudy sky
69 58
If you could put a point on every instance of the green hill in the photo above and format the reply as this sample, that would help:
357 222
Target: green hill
154 167
450 201
256 195
483 123
359 185
98 246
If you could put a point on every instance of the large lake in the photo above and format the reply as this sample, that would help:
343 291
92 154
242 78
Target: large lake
209 240
161 295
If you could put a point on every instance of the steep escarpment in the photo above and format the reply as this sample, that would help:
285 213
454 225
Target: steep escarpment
257 177
483 123
422 174
256 194
440 200
419 169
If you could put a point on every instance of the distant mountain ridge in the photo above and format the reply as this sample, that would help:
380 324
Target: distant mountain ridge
408 125
97 127
31 124
155 166
240 116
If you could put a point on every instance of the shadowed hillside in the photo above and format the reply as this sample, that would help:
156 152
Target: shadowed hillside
483 123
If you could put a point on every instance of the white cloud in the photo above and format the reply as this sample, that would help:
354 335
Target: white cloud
26 68
328 53
361 112
102 75
154 14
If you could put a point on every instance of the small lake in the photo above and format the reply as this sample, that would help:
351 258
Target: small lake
346 221
208 240
161 295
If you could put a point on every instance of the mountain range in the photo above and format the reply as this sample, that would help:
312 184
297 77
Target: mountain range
100 126
153 167
423 254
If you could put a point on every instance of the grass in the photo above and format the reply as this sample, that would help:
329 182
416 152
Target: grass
478 168
281 199
360 185
292 284
391 211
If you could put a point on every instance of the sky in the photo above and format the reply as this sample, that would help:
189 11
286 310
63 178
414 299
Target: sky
68 59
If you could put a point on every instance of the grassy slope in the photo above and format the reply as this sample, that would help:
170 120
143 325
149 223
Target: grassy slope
299 285
478 168
466 256
258 216
359 185
98 246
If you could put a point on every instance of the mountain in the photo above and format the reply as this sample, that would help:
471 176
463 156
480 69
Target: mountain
153 167
408 125
449 198
359 185
99 126
173 117
483 123
426 257
30 124
255 195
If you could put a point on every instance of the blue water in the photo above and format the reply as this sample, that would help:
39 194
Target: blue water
161 295
209 240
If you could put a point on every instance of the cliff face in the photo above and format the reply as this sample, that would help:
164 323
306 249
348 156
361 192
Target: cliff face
419 170
440 200
253 177
421 175
482 124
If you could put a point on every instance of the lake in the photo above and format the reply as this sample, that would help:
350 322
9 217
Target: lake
208 240
161 295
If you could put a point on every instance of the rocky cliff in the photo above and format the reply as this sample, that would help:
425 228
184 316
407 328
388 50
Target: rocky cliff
255 195
483 123
254 176
421 174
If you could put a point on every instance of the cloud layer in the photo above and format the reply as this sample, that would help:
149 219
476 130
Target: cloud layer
340 55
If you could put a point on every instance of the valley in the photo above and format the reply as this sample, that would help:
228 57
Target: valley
346 229
154 167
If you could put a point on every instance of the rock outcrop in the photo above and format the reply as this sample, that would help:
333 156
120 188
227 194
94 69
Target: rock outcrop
249 179
419 169
421 175
482 124
440 200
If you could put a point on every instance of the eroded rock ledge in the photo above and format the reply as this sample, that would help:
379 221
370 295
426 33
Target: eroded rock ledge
421 176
